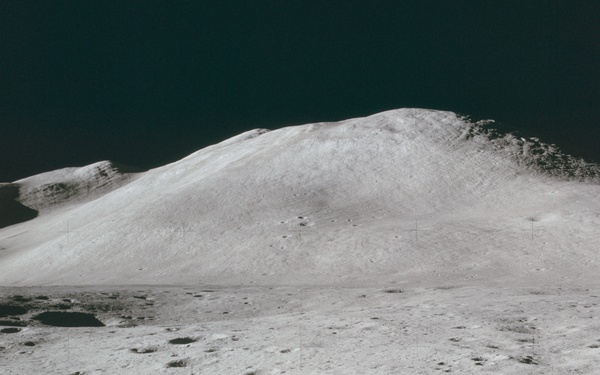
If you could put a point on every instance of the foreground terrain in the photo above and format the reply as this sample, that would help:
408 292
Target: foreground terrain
460 329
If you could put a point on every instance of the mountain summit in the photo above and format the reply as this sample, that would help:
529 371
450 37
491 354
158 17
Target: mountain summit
407 194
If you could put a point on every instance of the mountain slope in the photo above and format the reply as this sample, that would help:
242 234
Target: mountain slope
24 199
68 185
406 194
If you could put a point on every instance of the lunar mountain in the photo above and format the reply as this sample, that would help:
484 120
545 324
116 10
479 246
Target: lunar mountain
408 194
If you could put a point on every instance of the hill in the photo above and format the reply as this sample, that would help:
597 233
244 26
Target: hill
408 194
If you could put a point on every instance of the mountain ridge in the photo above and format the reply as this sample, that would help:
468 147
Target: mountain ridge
331 202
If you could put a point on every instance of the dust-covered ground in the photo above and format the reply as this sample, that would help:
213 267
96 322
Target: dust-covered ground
461 329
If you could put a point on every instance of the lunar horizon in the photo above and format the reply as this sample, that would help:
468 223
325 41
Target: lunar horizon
410 241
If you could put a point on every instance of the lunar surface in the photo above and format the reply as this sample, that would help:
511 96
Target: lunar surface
408 242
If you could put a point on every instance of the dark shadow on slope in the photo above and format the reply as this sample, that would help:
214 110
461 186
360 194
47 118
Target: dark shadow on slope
124 168
11 211
534 154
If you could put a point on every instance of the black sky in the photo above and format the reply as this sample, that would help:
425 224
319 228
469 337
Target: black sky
148 82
